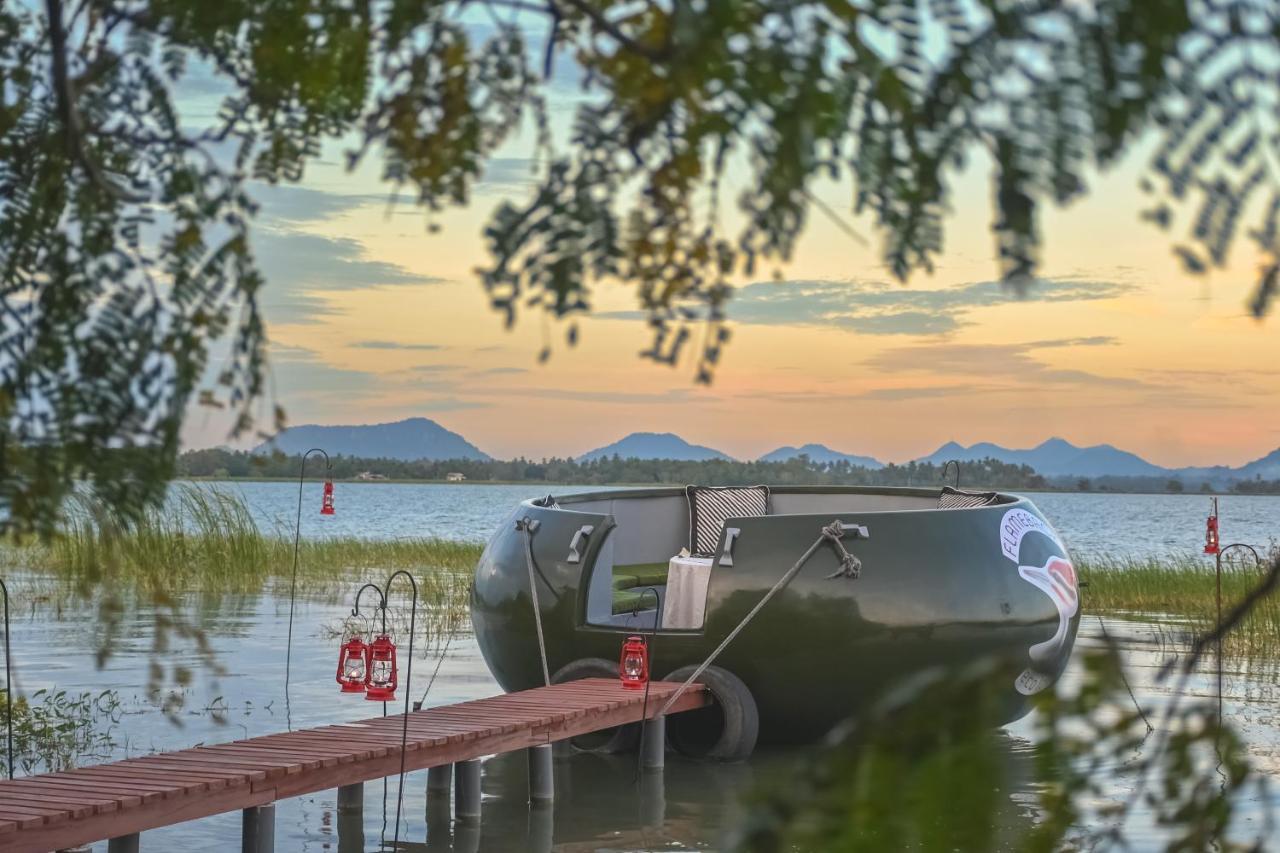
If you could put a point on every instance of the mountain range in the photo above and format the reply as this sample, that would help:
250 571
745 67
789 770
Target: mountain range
410 439
820 453
422 438
654 445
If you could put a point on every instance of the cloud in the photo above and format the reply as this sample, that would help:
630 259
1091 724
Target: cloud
499 371
877 308
1016 362
394 345
675 395
295 204
297 265
507 174
299 372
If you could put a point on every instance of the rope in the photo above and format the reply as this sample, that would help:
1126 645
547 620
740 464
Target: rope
527 526
850 566
1124 678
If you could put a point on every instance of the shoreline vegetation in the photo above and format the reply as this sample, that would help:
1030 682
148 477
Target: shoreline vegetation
205 541
220 464
1180 593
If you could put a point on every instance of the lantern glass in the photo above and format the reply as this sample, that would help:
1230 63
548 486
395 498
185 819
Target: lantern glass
380 680
633 665
380 675
352 665
355 669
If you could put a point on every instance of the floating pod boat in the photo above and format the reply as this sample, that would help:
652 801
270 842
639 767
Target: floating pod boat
929 578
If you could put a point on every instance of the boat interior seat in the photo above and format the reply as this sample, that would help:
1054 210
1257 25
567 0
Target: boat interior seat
958 499
631 584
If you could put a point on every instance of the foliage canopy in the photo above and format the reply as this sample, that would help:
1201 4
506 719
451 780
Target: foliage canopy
125 244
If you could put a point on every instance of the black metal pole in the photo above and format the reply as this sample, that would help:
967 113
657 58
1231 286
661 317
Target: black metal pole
1217 625
408 680
293 580
1257 562
8 681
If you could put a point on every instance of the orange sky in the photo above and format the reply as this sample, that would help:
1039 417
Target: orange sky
373 319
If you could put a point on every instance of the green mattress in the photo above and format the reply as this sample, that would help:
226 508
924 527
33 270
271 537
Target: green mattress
630 583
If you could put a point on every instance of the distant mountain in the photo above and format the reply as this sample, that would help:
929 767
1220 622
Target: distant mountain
1055 458
820 453
1268 468
654 445
410 439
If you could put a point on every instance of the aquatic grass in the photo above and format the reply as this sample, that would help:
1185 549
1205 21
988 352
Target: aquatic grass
1183 588
205 541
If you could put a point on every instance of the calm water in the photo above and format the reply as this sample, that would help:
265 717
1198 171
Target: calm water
1091 523
597 806
597 809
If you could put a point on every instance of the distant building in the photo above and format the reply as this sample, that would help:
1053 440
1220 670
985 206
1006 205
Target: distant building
455 477
369 475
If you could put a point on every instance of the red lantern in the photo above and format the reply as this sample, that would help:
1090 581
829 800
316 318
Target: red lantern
633 667
326 503
353 664
380 678
1211 535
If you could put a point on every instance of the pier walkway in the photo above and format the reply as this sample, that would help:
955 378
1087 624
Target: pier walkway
54 811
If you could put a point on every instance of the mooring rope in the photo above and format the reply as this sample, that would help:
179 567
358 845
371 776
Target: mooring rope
528 525
849 568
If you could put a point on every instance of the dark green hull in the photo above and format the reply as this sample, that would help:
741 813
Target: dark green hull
937 588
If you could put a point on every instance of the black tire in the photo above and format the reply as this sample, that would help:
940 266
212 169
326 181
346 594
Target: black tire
725 730
606 741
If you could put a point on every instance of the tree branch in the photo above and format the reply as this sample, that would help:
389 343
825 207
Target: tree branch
64 94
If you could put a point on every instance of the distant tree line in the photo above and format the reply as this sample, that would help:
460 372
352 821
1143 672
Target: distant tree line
989 473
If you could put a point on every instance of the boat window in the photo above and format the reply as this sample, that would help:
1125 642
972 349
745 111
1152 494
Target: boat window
618 595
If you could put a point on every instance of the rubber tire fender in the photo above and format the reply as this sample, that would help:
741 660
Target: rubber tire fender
739 718
619 739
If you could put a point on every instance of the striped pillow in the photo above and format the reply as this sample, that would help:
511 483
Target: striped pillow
957 499
711 506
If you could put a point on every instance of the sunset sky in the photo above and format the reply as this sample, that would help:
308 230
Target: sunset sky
374 319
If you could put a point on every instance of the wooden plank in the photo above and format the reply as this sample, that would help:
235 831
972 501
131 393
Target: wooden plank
64 788
122 793
116 824
75 806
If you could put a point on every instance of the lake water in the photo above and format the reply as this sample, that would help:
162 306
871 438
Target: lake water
597 806
1091 523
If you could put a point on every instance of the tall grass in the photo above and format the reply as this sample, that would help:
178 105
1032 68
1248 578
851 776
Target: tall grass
205 540
1184 588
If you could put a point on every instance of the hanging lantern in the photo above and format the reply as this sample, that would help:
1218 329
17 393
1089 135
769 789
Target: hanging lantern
1211 535
353 664
326 503
380 679
633 667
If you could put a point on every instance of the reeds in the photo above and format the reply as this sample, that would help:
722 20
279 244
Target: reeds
1185 589
206 541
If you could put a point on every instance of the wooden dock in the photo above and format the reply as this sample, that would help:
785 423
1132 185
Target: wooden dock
53 811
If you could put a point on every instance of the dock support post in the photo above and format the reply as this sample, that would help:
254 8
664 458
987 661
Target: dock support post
466 801
124 844
350 818
655 744
439 781
258 833
541 827
351 798
542 785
